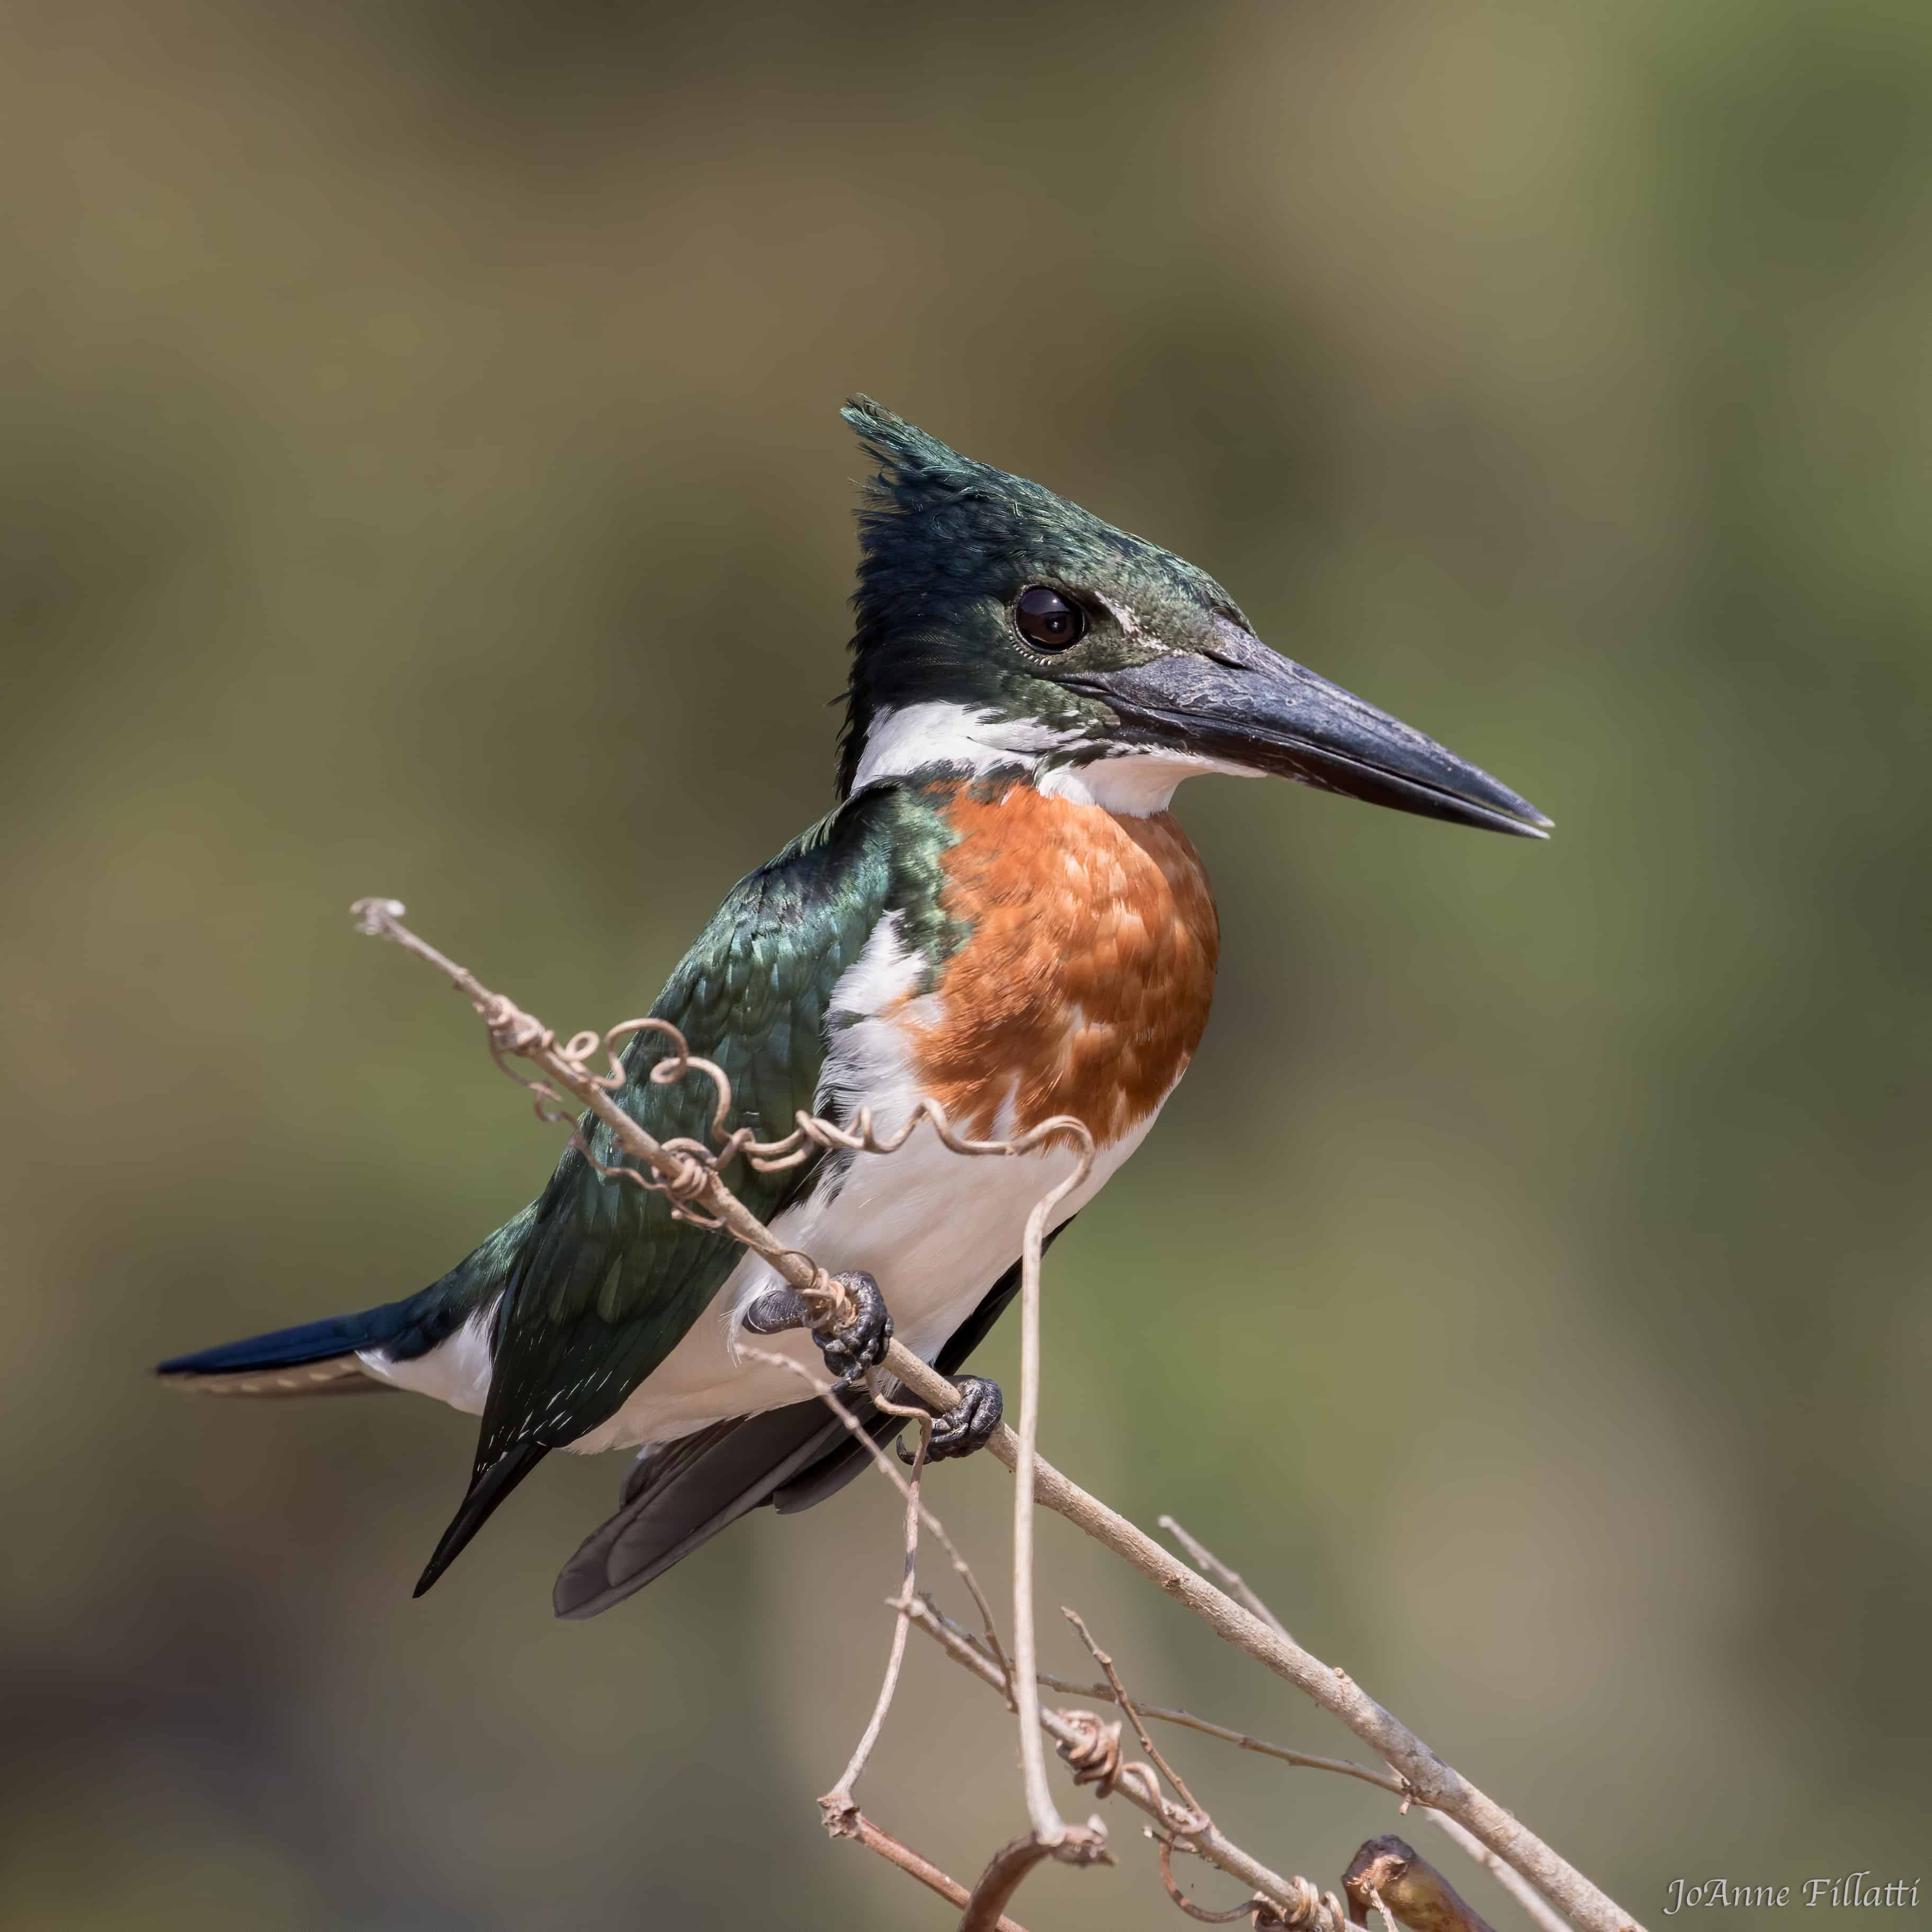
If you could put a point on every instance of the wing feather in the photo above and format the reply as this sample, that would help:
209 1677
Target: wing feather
609 1282
603 1282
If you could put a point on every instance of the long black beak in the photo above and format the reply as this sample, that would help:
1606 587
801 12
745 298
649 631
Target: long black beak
1248 707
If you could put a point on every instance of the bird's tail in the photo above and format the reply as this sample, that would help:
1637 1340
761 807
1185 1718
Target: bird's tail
682 1494
320 1356
488 1485
315 1358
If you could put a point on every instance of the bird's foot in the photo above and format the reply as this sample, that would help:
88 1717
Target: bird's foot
969 1424
861 1343
849 1349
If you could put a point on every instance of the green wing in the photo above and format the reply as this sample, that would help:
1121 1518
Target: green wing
606 1283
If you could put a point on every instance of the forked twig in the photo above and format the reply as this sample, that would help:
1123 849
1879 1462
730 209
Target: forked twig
1166 1713
989 1629
1175 1779
837 1805
1211 1565
1294 1902
828 1393
1546 1917
866 1833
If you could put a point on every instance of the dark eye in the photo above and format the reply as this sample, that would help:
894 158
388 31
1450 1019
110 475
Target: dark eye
1047 620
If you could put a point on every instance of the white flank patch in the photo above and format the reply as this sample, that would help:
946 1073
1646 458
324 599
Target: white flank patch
918 736
866 1057
457 1370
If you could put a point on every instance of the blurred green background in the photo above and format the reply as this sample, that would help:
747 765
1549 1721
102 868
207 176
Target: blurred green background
421 477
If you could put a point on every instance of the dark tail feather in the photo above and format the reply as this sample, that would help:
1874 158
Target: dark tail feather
684 1494
318 1357
487 1488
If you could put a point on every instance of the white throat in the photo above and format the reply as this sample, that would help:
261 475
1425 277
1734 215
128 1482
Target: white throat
956 737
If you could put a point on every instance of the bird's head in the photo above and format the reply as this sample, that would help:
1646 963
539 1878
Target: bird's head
1001 627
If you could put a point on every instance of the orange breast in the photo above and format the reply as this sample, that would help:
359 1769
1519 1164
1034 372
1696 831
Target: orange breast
1084 986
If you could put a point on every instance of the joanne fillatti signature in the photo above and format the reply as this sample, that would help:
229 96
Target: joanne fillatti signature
1855 1890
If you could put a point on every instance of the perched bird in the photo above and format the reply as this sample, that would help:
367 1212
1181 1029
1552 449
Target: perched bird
999 915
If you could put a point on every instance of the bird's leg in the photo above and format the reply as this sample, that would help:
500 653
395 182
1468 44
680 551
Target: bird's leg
860 1344
969 1424
851 1348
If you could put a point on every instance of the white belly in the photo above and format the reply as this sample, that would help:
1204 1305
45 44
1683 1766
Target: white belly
935 1230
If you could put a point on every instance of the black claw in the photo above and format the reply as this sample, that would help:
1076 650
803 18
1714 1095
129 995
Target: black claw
862 1343
776 1310
970 1426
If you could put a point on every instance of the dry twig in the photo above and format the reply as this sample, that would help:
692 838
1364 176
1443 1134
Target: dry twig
689 1173
1160 1764
837 1805
1244 1910
838 1799
1166 1713
827 1392
1512 1882
1212 1565
1240 1740
1428 1780
1077 1734
909 1861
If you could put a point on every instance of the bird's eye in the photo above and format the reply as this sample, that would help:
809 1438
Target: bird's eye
1047 620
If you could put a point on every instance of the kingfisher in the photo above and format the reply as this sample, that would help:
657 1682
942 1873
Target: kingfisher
999 915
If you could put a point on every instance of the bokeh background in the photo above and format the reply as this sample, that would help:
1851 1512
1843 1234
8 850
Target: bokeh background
421 477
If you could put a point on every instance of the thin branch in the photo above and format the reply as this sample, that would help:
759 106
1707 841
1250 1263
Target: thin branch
1206 1560
1166 1713
908 1861
839 1798
1240 1740
1519 1887
842 1814
989 1628
1429 1779
827 1392
1133 1716
1049 1827
1297 1901
837 1805
1244 1910
687 1174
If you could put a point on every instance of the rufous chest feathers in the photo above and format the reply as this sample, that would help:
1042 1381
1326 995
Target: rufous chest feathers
1085 979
